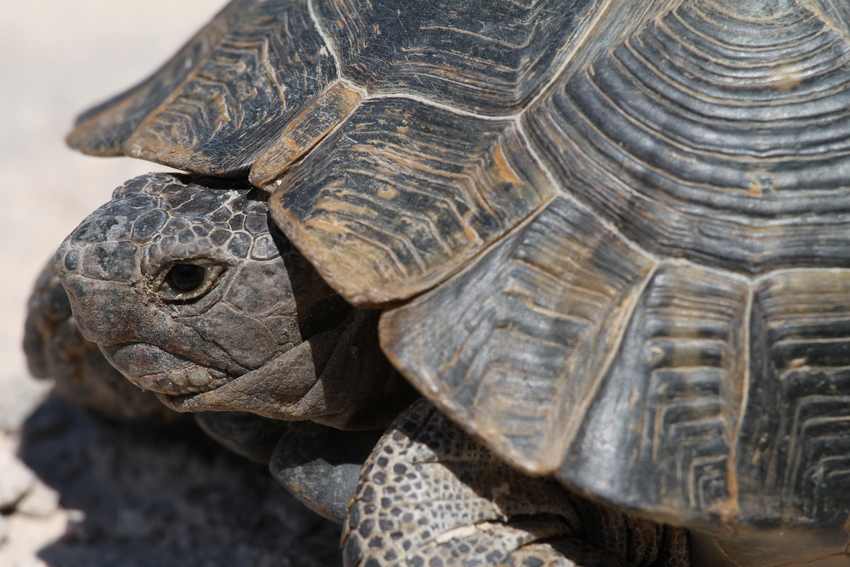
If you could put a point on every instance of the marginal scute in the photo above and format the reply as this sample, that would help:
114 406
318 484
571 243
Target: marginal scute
486 56
658 433
103 129
712 134
305 130
796 425
403 194
215 108
270 64
513 348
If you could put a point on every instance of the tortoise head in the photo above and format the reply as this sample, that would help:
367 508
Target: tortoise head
192 294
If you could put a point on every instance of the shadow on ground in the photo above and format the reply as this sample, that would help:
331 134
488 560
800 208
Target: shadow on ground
146 494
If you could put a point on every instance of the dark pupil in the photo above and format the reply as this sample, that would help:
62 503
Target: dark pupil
186 277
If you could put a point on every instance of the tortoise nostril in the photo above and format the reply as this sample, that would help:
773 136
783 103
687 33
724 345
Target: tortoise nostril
107 261
71 261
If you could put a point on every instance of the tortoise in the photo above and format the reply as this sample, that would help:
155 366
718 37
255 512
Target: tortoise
608 241
162 280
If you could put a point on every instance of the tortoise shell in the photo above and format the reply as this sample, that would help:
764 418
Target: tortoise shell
611 239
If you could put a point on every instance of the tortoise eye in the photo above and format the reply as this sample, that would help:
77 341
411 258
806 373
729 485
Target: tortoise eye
184 278
185 281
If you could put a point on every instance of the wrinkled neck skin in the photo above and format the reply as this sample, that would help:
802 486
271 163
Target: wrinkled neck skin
192 295
319 393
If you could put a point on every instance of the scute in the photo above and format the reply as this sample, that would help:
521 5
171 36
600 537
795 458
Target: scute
515 346
659 433
216 108
712 134
265 81
800 370
104 129
484 56
402 194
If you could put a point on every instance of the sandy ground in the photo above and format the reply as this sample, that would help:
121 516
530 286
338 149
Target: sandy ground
79 491
76 491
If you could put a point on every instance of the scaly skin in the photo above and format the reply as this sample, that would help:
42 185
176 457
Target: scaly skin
191 296
430 495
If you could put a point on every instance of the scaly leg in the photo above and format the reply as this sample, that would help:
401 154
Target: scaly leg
429 495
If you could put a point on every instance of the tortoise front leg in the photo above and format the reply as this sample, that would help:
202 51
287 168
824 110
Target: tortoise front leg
430 495
320 466
248 435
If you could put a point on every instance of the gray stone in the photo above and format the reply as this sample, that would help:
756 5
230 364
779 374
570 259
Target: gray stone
15 482
20 398
41 502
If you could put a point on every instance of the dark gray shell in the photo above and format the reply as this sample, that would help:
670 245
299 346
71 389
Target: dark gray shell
624 226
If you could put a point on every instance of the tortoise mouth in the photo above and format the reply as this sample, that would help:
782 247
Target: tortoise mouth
156 370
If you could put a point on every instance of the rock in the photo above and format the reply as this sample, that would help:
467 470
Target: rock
41 502
20 398
16 480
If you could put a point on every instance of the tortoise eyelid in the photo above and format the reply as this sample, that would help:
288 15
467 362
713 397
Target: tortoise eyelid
167 282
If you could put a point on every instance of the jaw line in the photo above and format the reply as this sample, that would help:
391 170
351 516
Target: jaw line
187 379
249 392
217 399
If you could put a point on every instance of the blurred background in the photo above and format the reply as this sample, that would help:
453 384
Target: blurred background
58 57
